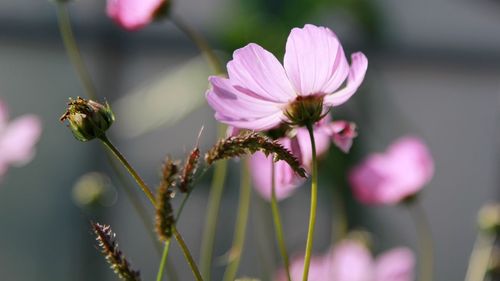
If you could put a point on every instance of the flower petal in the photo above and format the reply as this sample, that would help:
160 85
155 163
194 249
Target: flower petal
18 140
259 72
286 179
238 109
314 60
342 134
356 75
132 14
349 261
395 265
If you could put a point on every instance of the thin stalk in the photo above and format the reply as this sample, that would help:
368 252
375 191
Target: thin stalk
480 257
131 170
163 261
340 225
187 254
241 224
215 197
200 42
72 50
278 226
314 203
426 248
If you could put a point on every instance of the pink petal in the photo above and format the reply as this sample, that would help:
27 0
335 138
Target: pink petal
321 140
349 261
413 163
238 109
356 76
391 177
257 72
133 14
316 269
18 139
395 265
342 134
286 181
314 60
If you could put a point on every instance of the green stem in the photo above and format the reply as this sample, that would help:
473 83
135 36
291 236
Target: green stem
241 224
426 248
131 170
216 190
340 225
187 254
163 261
200 42
314 203
480 257
278 226
72 49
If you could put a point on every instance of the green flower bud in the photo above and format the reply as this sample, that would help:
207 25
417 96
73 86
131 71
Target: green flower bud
489 218
305 110
88 119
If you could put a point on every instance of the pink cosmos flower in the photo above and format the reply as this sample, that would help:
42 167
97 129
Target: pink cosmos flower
260 91
351 261
388 178
133 14
17 139
286 180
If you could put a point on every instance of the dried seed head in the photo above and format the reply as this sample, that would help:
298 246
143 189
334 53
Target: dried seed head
109 248
238 146
88 119
164 211
189 170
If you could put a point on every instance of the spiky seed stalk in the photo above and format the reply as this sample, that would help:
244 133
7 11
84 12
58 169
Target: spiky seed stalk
106 240
189 170
164 211
250 143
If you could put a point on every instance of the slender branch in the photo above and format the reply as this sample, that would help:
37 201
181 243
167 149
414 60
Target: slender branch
207 244
130 169
278 226
72 49
187 254
425 240
163 261
314 203
200 42
241 224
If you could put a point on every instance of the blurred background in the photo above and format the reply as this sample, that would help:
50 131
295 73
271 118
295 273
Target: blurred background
434 72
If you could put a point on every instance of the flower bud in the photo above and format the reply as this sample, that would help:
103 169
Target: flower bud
88 119
489 218
305 110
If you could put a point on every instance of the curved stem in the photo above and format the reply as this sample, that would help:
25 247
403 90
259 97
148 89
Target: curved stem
72 49
314 203
200 42
187 254
425 240
216 190
131 170
480 257
278 226
241 224
163 261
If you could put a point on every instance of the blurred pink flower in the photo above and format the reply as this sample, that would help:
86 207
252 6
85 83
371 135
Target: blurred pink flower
17 139
133 14
286 180
260 90
351 261
400 172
